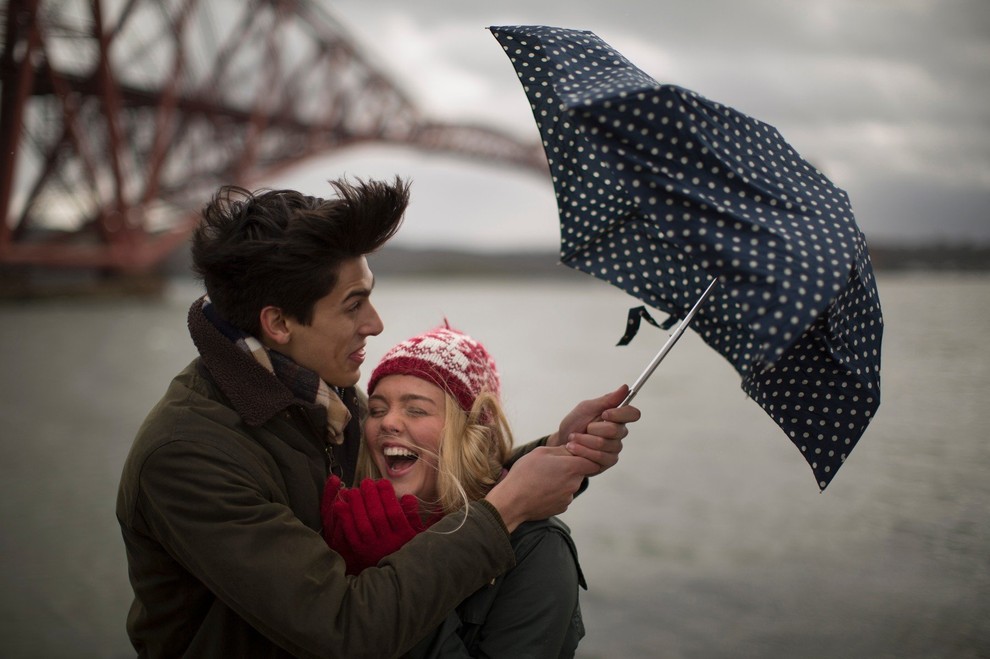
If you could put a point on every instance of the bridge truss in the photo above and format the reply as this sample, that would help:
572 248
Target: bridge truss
118 118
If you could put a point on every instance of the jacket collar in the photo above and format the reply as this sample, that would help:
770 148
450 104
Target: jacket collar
253 391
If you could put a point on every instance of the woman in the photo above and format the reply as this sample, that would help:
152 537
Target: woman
437 434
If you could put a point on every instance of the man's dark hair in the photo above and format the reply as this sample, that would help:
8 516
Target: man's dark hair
283 248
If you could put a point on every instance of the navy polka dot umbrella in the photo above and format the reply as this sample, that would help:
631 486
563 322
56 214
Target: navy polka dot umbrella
660 190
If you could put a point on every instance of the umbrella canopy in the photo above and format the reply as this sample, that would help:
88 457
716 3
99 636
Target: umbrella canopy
660 189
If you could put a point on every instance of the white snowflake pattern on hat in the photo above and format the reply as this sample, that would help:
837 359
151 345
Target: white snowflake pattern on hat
446 357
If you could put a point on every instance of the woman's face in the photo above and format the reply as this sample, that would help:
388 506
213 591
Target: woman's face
402 432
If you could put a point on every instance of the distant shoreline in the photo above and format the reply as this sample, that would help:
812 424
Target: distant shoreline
440 262
39 283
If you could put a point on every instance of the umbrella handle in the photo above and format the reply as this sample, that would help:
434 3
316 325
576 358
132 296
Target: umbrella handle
676 334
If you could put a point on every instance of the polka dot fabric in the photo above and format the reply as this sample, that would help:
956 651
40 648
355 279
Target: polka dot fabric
659 189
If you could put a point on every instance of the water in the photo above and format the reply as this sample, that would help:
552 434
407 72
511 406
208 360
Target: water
710 539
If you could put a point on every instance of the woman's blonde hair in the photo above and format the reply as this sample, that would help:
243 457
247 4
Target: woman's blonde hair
473 448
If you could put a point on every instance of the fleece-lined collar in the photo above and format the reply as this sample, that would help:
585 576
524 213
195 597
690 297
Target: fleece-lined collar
253 391
257 395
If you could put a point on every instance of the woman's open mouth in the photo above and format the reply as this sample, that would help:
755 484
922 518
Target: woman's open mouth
399 459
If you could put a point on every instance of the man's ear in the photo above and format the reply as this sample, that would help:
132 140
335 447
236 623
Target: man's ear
274 327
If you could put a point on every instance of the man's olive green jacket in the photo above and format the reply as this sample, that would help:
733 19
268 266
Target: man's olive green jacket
219 508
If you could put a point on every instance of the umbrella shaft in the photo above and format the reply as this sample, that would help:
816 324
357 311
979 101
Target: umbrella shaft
675 335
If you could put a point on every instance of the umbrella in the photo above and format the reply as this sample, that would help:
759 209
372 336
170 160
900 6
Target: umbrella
660 190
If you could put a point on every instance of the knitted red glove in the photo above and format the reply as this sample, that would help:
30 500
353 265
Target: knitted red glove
366 524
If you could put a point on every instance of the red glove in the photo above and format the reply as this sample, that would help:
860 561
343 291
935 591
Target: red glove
368 523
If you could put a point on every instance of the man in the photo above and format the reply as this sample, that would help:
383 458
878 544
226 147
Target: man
219 498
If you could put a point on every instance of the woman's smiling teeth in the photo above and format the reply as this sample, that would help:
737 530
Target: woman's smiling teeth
399 457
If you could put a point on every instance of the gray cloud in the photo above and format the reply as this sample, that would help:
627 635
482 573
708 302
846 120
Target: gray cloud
890 98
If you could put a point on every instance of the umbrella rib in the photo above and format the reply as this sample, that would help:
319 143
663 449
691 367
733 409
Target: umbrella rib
599 236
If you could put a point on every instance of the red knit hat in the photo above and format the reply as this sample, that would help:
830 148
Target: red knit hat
450 359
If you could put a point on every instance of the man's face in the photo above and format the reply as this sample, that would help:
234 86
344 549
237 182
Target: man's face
333 344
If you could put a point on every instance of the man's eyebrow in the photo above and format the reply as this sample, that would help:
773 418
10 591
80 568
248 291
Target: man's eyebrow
359 292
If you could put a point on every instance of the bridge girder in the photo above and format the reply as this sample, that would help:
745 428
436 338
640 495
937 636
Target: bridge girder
119 118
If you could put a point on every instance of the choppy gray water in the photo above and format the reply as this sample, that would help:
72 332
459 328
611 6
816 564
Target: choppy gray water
710 539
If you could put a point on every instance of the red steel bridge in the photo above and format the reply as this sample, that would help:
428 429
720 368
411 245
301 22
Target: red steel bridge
119 118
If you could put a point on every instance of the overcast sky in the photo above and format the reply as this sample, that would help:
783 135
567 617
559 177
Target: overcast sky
889 98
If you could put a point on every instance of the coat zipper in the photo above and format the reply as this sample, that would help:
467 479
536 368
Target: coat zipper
333 467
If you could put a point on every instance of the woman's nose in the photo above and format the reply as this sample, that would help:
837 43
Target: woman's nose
391 423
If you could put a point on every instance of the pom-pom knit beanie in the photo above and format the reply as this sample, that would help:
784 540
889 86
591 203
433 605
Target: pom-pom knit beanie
446 357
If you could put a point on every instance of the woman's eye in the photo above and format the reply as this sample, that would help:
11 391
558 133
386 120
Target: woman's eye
376 412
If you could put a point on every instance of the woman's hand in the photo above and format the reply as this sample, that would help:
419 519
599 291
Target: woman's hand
367 523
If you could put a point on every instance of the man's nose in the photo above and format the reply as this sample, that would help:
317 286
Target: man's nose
373 325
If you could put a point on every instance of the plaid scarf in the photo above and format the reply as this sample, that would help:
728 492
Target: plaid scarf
302 382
